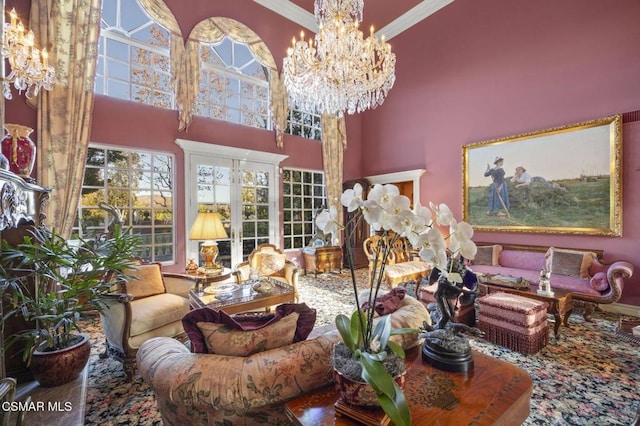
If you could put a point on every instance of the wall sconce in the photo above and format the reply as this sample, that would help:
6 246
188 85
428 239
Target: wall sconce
208 227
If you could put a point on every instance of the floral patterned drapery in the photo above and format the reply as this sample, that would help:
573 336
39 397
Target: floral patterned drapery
334 142
213 30
279 104
160 13
70 31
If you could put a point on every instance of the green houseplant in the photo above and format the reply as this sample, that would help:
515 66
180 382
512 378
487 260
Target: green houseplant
366 342
54 281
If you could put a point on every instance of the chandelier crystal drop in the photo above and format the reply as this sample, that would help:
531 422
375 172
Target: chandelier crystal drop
30 69
339 71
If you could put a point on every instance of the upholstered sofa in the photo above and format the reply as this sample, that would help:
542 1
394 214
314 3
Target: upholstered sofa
582 272
208 388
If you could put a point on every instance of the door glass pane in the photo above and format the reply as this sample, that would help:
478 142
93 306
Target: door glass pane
214 194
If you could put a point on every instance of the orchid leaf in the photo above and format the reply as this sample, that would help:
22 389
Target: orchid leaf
343 324
396 348
383 330
397 409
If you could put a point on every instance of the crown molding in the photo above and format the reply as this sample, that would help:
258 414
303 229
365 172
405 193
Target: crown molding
412 17
292 12
296 14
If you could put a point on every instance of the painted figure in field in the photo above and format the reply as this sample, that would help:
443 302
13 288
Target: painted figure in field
498 195
522 178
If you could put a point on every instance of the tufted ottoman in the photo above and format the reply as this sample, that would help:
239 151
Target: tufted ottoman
513 321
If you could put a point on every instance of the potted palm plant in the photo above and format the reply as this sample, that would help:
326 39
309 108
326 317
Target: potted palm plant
53 283
365 342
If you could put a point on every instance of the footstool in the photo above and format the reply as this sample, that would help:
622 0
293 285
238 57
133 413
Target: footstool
464 314
513 321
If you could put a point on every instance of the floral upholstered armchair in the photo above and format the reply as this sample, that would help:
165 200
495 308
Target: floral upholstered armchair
269 261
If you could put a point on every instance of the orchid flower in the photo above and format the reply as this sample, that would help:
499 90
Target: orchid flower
383 195
352 198
327 221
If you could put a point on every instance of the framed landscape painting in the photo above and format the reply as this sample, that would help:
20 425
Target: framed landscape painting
565 180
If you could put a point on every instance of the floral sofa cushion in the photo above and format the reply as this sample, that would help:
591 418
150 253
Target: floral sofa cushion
224 340
303 325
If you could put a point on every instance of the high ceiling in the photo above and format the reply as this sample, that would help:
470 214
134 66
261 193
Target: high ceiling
389 17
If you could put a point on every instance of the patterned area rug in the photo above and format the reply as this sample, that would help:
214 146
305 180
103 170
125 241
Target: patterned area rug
589 376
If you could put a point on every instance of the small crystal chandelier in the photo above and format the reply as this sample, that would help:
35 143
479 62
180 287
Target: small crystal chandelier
30 69
340 71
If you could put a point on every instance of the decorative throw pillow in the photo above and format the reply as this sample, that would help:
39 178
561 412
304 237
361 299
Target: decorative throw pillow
149 281
488 255
245 322
572 263
599 282
224 340
271 263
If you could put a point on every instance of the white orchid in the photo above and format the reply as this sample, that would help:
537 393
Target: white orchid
327 221
384 195
352 198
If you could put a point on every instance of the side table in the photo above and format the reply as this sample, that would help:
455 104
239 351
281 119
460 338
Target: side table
324 259
201 280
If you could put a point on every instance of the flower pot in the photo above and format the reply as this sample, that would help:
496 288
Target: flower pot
358 392
57 367
19 149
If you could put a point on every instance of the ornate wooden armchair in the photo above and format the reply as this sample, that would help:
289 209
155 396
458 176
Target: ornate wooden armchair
270 261
400 268
139 310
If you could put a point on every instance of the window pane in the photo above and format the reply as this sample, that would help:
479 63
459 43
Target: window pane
143 195
301 200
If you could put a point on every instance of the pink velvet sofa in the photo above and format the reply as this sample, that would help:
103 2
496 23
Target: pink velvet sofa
582 272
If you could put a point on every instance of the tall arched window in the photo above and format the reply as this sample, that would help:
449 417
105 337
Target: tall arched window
234 86
133 56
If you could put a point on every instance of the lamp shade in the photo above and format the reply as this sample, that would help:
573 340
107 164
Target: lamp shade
207 226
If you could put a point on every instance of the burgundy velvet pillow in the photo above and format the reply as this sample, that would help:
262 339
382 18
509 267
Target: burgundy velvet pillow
600 282
304 325
389 302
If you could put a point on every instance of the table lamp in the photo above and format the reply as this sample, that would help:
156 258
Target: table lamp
208 227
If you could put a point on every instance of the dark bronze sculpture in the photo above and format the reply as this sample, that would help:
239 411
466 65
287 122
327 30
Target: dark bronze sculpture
445 345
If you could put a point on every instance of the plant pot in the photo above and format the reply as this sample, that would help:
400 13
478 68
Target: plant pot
55 368
358 392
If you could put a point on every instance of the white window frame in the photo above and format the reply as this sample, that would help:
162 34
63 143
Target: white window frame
129 220
234 71
293 235
119 34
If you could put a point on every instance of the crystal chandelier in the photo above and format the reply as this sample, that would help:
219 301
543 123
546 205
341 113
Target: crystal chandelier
340 71
29 65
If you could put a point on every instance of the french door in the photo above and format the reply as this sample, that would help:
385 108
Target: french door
242 187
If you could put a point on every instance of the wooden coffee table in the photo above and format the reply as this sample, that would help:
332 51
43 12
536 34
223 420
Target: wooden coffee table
243 298
560 305
494 392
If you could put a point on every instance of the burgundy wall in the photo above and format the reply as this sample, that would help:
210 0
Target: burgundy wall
476 71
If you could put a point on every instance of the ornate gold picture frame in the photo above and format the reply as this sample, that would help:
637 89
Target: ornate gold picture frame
564 180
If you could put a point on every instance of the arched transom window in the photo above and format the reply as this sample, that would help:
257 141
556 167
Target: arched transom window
133 56
234 86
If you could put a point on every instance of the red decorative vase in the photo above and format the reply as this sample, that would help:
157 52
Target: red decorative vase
19 149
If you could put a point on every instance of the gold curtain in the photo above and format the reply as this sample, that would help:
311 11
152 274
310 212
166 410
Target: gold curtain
334 142
160 13
279 103
70 31
212 30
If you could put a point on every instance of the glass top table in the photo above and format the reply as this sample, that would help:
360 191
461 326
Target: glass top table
244 296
